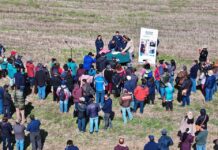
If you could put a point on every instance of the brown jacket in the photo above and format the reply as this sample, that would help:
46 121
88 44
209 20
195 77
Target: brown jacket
125 103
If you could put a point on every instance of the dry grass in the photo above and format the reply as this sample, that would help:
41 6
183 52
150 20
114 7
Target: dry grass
38 28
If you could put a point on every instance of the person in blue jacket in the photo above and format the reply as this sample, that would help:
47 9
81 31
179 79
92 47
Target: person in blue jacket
151 145
165 141
193 75
88 61
99 44
118 40
209 85
71 146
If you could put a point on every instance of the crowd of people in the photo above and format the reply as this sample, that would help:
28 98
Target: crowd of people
89 87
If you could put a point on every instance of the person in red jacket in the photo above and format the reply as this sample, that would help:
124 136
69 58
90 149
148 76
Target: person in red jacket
76 93
30 72
141 93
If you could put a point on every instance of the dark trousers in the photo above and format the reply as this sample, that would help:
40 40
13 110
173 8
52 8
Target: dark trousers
35 139
169 105
151 98
6 143
55 97
7 111
82 124
107 121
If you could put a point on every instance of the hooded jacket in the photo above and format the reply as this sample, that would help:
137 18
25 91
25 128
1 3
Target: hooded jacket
141 93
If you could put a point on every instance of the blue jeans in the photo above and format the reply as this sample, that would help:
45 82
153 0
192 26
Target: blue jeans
82 124
6 143
208 94
185 100
124 111
157 84
100 97
200 147
93 122
193 85
41 92
1 106
162 92
20 144
139 103
63 105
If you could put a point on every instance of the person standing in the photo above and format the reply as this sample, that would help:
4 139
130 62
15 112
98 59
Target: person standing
77 94
201 139
99 44
34 128
55 83
107 109
151 145
141 92
64 95
168 98
11 71
19 135
82 114
151 86
30 72
186 91
92 113
203 119
40 78
129 47
1 99
6 134
125 101
72 66
88 61
7 102
71 146
209 85
19 80
193 74
165 141
186 140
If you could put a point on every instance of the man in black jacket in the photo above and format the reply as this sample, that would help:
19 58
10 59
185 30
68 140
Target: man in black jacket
55 83
7 102
101 62
82 115
41 82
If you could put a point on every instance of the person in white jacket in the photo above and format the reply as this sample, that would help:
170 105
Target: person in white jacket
129 46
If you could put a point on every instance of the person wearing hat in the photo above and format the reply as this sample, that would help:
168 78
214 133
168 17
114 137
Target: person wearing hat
19 133
121 145
151 145
81 108
6 134
30 72
209 85
7 102
92 112
88 60
64 95
165 141
35 137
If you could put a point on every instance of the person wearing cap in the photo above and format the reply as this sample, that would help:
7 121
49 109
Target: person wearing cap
125 102
40 78
187 122
100 83
141 93
81 114
121 145
6 134
151 145
92 112
107 109
64 95
186 140
88 60
165 141
7 102
99 44
30 72
71 146
19 133
209 85
34 128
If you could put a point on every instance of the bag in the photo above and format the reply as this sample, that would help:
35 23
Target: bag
198 127
62 95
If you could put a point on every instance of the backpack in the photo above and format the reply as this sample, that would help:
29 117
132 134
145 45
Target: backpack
62 95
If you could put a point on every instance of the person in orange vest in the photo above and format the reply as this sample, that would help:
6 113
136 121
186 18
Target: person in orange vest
141 93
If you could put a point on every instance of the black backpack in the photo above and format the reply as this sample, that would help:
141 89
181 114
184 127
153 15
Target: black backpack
62 95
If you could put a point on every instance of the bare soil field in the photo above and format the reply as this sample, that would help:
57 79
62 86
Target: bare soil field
38 29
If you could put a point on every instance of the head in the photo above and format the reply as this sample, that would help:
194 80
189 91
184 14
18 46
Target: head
203 112
117 32
151 137
80 66
69 60
184 68
121 141
69 142
172 62
32 117
164 132
4 119
99 37
128 78
147 66
90 54
6 86
65 67
195 62
144 82
126 38
107 96
161 62
82 99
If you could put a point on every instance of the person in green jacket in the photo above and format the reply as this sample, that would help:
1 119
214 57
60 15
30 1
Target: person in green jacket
201 139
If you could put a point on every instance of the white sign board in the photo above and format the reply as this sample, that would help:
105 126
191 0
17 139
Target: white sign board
148 45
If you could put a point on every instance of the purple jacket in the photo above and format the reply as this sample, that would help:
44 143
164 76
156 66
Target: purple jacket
187 143
77 93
